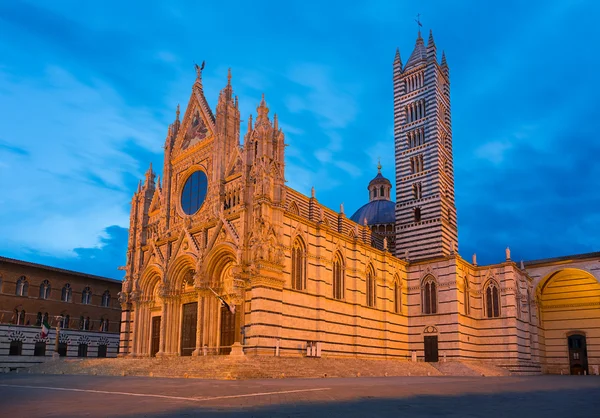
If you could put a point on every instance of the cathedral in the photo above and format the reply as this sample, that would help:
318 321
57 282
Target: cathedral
224 259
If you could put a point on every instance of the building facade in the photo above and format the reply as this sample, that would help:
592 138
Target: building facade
83 306
222 254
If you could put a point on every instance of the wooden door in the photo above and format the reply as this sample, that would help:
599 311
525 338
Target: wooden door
188 328
578 361
155 342
227 330
102 350
431 348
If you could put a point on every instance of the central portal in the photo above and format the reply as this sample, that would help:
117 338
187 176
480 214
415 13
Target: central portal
188 328
227 330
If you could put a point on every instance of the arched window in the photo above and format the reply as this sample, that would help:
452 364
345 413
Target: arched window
45 318
64 321
466 300
338 277
397 296
492 300
429 295
86 296
19 317
22 286
371 288
106 299
45 290
67 293
298 265
103 324
38 320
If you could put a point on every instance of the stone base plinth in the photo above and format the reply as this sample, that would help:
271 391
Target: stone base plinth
237 350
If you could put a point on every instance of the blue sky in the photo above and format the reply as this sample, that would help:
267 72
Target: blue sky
87 90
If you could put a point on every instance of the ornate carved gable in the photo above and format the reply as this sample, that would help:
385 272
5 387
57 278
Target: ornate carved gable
198 123
156 202
235 164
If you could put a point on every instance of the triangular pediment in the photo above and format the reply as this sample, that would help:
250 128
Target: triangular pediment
156 201
235 164
198 123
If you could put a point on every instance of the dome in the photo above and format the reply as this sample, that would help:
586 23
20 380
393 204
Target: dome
376 212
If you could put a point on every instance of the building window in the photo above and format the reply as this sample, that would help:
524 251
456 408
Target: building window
67 293
529 305
19 317
417 190
466 301
429 296
40 348
22 286
45 318
0 284
45 290
103 324
397 296
84 323
82 350
298 265
371 288
417 214
64 321
38 321
102 350
492 300
106 299
86 296
16 347
338 277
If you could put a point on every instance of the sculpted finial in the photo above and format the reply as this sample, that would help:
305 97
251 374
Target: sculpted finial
312 192
474 259
507 253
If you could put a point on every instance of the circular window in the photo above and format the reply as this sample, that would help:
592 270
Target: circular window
194 192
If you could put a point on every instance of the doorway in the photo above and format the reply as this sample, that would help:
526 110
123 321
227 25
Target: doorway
431 348
155 342
227 330
578 361
188 328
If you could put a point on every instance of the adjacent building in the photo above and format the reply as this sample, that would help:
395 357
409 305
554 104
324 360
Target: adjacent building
85 308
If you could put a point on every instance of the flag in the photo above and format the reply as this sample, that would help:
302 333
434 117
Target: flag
231 308
45 328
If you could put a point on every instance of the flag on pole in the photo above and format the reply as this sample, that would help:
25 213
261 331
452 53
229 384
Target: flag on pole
231 308
45 328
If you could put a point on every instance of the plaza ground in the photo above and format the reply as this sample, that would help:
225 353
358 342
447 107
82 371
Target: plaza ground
31 395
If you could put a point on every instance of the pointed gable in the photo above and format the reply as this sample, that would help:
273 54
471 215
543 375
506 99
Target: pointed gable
418 55
198 122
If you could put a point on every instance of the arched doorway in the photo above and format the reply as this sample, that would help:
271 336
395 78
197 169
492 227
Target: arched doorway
569 318
578 359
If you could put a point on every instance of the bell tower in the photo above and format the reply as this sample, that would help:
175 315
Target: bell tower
426 225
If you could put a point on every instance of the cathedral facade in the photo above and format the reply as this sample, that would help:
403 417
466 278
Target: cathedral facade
224 258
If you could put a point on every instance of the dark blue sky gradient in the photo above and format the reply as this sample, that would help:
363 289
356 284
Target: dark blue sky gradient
88 89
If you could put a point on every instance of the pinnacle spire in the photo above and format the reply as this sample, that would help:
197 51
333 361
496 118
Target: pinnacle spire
263 110
177 112
444 63
418 55
431 48
397 61
229 77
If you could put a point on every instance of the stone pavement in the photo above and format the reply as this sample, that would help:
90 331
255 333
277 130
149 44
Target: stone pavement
24 395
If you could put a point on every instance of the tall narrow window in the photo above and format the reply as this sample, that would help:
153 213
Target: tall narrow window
466 300
338 277
492 300
22 286
38 320
67 293
45 290
417 214
397 296
429 296
298 265
86 296
371 288
106 299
